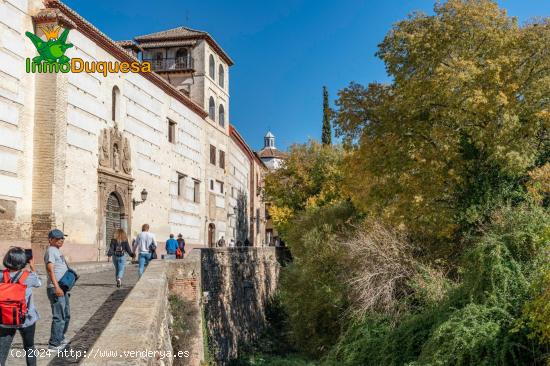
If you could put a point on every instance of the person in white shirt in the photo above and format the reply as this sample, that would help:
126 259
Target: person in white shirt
145 244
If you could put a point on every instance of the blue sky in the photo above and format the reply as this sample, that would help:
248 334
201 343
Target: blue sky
284 51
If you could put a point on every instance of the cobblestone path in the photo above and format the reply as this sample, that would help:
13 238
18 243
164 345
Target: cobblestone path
94 300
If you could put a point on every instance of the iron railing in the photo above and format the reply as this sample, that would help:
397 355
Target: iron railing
169 64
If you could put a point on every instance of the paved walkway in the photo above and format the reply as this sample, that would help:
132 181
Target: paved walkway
94 300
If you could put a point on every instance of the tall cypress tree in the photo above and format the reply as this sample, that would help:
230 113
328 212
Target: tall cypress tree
326 137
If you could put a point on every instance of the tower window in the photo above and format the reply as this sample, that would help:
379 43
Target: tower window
115 101
222 159
212 109
212 155
212 67
196 191
221 115
181 184
171 131
182 58
221 76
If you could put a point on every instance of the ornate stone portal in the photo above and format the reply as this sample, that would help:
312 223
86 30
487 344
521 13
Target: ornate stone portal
114 186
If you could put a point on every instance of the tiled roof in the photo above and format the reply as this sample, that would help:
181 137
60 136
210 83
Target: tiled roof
170 34
95 35
180 34
270 152
174 43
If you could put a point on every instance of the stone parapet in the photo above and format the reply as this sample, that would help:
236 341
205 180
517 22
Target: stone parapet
140 325
139 332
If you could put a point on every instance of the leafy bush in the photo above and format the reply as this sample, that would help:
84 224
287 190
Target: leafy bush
312 287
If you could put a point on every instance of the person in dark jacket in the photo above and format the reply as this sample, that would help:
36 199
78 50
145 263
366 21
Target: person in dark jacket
118 249
181 245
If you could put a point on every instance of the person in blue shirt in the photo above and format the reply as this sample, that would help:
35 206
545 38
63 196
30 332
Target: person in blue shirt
171 247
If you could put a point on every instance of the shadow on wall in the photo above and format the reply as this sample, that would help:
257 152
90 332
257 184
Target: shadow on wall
239 283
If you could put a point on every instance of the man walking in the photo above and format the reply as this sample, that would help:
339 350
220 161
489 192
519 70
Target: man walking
145 242
56 266
171 247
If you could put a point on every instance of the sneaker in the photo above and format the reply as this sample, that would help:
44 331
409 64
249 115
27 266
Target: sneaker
61 346
118 282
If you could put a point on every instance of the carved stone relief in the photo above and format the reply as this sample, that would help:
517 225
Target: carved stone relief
114 151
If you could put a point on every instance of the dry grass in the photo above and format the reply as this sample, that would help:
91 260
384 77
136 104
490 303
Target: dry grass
383 265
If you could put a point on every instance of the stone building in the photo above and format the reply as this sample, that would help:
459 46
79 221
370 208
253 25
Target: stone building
270 155
89 153
272 158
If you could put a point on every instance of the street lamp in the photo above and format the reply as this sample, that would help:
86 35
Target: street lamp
143 199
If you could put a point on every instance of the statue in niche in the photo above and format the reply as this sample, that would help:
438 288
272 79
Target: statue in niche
104 149
116 158
126 156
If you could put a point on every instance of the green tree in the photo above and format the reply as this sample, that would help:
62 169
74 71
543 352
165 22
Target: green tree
326 137
459 128
311 177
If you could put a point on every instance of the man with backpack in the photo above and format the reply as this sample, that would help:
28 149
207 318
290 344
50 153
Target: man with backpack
56 267
16 303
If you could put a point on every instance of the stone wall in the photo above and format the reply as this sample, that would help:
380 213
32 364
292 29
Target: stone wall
237 284
145 320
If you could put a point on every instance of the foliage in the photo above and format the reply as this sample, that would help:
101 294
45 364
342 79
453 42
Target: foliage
312 289
451 160
463 122
310 177
326 137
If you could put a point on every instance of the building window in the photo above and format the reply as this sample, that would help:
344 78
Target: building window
222 159
181 184
221 76
171 131
211 185
157 65
212 155
212 67
221 116
212 109
115 103
257 221
196 191
233 192
181 58
220 184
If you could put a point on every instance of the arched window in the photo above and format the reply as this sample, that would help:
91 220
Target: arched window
181 58
115 103
221 115
221 76
212 67
157 65
211 109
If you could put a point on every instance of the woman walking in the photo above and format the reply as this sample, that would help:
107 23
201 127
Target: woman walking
14 272
118 249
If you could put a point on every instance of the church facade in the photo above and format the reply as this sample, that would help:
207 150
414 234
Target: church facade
89 153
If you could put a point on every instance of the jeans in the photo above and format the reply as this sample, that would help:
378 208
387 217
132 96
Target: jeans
61 315
120 263
6 337
144 259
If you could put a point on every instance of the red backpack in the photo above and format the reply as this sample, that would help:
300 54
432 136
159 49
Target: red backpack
13 304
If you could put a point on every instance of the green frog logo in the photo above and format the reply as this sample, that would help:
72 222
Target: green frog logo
52 50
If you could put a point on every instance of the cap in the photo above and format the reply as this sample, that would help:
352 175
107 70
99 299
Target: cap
56 234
